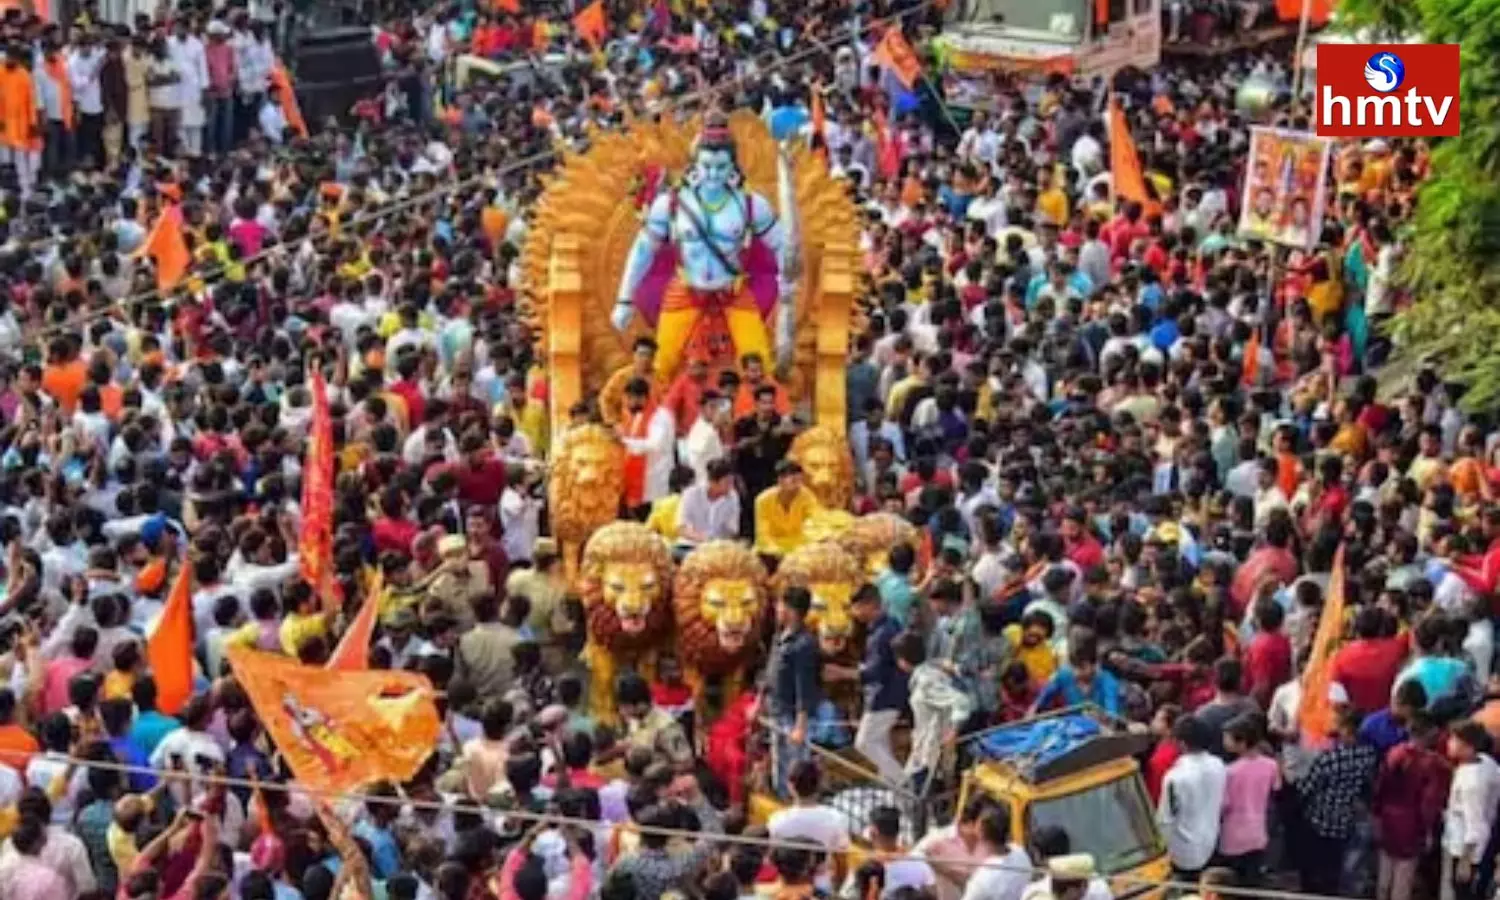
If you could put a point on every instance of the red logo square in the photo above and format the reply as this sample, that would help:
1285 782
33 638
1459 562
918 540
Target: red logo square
1387 90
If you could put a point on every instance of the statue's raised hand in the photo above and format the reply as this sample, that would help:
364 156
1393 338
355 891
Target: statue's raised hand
623 313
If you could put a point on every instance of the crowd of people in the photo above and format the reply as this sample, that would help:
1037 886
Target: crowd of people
1145 457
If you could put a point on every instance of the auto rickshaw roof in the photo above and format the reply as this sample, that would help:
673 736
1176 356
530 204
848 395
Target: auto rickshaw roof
1057 745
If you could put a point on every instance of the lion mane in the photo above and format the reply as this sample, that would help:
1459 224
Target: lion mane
840 494
698 639
876 532
577 512
630 542
813 563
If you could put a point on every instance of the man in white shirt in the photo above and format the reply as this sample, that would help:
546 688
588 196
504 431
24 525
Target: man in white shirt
703 443
188 54
649 436
1006 869
811 821
710 509
520 515
1470 815
1268 496
84 63
1192 799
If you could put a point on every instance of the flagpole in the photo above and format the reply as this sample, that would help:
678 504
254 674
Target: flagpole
1302 23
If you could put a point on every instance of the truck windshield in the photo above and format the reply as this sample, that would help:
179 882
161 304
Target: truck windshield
1111 821
1058 19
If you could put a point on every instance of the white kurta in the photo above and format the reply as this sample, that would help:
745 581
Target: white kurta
192 62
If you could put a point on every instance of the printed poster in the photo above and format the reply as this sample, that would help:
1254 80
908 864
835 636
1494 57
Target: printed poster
1286 187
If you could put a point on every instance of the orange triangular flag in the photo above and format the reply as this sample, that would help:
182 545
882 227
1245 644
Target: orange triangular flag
1124 163
509 6
353 652
169 649
167 246
1316 720
591 24
287 97
894 53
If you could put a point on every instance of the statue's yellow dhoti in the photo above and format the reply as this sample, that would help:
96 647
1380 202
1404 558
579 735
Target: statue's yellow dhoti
721 326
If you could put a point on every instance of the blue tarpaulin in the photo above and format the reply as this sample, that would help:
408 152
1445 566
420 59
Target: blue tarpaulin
1028 745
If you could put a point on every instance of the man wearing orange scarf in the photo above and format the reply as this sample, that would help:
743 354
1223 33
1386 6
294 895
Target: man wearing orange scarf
20 131
56 96
648 436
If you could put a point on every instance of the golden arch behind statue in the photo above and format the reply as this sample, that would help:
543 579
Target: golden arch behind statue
586 219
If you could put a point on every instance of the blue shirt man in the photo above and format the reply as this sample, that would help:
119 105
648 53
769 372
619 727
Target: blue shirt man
1079 682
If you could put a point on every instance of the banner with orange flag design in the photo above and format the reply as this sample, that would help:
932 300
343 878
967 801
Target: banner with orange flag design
340 733
1316 722
894 53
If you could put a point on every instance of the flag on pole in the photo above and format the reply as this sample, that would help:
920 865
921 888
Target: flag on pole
287 98
315 543
591 24
168 249
1124 163
169 649
1316 721
895 55
353 652
338 733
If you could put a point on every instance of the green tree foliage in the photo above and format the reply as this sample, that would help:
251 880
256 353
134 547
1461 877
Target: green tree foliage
1452 261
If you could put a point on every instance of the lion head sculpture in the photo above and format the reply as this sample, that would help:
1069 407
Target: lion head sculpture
626 572
870 538
587 482
826 464
831 576
719 596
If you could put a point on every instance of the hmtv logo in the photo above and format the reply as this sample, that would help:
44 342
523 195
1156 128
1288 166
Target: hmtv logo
1387 90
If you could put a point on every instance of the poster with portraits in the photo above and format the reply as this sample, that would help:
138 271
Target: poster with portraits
1286 187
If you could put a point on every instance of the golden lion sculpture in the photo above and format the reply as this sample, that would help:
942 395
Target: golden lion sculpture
869 539
626 574
831 576
827 465
585 487
719 596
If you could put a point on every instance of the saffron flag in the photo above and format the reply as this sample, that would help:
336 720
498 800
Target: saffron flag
337 734
1316 720
509 6
895 55
1124 163
167 247
353 652
287 98
315 543
169 649
591 24
1250 365
1318 11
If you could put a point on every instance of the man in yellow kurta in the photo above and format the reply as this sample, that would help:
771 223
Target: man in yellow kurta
782 510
